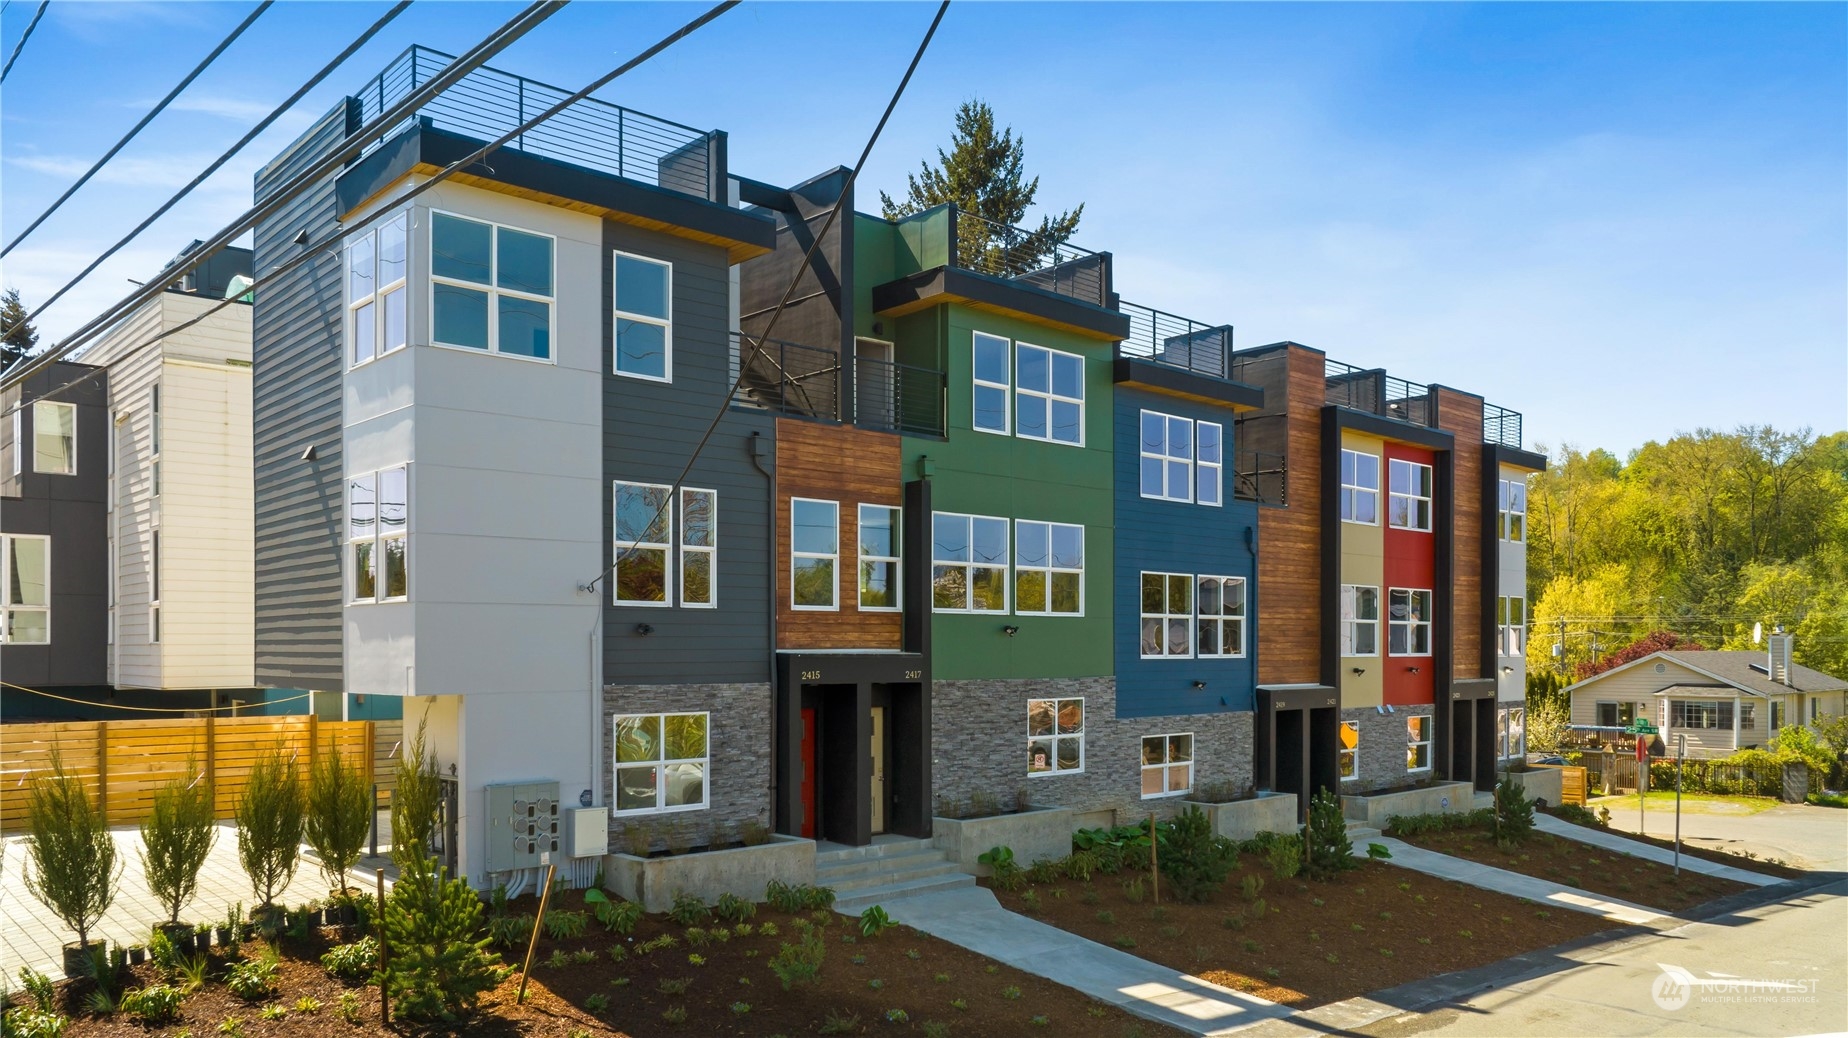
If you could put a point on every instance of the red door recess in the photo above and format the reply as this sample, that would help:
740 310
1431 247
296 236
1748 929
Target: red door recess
808 773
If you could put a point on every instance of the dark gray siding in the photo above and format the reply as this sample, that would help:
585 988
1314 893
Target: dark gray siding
71 510
296 404
650 430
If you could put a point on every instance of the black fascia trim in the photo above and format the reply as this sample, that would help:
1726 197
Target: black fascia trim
851 668
1332 529
758 193
1193 385
1491 559
431 146
1027 300
1472 688
1500 454
1387 428
1305 697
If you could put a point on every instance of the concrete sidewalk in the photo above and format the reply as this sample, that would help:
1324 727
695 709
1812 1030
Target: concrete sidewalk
1636 848
972 918
1540 891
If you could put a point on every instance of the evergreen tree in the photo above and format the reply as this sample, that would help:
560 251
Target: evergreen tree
17 336
983 173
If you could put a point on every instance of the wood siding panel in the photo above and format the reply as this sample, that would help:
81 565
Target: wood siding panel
1290 538
1461 414
852 466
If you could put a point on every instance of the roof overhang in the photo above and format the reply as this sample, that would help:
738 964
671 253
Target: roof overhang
928 288
1188 385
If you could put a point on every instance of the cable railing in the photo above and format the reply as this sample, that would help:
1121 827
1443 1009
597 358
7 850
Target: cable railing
789 378
1176 342
1500 425
898 398
487 103
1260 476
1031 257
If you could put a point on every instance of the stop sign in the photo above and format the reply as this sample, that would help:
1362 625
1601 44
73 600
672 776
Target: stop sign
1642 748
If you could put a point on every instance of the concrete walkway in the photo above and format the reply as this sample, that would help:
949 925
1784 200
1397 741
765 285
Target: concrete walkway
972 918
1540 891
1649 851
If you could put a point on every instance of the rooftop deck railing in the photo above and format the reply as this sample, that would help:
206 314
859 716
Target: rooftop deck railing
1031 257
1177 342
900 398
803 381
1373 391
1500 425
488 103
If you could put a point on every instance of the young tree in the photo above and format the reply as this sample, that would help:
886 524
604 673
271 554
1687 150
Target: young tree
415 801
440 962
175 840
17 336
74 870
269 826
338 817
984 174
1547 718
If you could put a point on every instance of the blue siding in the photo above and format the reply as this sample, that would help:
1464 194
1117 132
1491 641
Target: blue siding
1171 537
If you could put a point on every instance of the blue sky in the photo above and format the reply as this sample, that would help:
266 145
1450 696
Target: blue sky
1622 220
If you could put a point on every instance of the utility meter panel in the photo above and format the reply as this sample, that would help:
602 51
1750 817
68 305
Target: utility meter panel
523 823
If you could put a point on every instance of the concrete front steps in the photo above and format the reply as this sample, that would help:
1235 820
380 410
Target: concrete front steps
891 868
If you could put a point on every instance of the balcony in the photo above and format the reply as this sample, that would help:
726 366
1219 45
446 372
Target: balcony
1501 426
596 135
799 381
1177 342
1029 257
1373 391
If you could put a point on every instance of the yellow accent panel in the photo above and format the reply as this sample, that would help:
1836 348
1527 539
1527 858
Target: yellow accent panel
1363 550
1362 689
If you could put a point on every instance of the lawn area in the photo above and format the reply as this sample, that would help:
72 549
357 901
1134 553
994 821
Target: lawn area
1301 942
1691 803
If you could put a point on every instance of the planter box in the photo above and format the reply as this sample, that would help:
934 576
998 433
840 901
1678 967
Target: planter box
739 871
1541 783
1442 798
1243 819
1039 832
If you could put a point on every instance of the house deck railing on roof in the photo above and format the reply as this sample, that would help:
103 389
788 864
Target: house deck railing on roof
1177 342
1374 391
1029 257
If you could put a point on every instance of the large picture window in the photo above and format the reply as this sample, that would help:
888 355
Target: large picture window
378 536
1048 394
815 553
1055 736
1167 764
644 295
1513 509
1167 615
699 547
1700 713
1360 488
491 287
1408 622
25 589
1418 743
1616 715
377 265
1360 620
54 438
1408 505
968 563
1347 751
644 568
879 558
1221 605
661 762
992 388
1048 568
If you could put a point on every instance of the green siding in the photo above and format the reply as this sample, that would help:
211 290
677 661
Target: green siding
873 243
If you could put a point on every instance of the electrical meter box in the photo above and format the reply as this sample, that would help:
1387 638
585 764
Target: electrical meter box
587 831
523 823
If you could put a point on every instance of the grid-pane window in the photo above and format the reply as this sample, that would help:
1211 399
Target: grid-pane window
644 517
1418 743
394 511
378 534
1360 487
1408 505
1048 568
1347 751
1514 509
1511 732
1167 764
1408 622
699 547
1048 394
879 557
1360 620
661 762
1615 715
815 553
1700 713
1167 457
644 294
377 269
25 589
1511 626
491 287
1209 462
362 534
1167 615
991 392
54 438
1055 736
968 563
1220 602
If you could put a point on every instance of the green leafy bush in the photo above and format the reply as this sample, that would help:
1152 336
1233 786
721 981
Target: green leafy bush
254 979
176 838
1286 856
563 926
269 825
733 909
352 962
439 963
620 916
874 921
800 963
33 1022
1005 871
72 856
1330 851
688 910
153 1005
1577 814
1194 861
510 931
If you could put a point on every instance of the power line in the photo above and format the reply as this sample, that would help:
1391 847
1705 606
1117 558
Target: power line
21 45
275 114
154 709
129 136
834 213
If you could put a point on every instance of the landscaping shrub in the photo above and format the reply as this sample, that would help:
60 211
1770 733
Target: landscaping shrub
620 916
254 979
1081 865
416 800
439 962
1194 861
1578 814
688 910
338 816
31 1022
1005 871
733 909
1514 813
563 926
353 962
151 1006
874 921
176 838
1330 851
800 963
269 826
510 931
74 870
1286 856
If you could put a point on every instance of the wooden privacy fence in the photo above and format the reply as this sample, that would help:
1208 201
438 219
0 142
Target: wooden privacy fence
125 762
1572 786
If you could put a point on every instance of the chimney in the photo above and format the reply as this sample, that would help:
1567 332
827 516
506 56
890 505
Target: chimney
1778 666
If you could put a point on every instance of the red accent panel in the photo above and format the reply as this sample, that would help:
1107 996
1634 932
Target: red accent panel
1410 562
808 773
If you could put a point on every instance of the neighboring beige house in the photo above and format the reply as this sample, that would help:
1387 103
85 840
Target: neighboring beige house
1721 700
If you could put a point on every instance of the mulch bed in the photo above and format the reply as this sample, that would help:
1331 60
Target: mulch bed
1315 942
1718 857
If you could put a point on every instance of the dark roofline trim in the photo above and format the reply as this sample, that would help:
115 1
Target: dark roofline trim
1190 385
1500 454
1387 428
953 284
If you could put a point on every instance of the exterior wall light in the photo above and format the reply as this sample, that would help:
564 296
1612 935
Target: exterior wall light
1010 630
1200 685
644 629
1359 670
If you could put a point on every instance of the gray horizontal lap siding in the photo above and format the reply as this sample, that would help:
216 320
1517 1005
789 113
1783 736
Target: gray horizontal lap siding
650 429
296 351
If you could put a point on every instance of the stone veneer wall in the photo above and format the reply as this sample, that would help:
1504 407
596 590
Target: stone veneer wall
1383 746
979 743
738 779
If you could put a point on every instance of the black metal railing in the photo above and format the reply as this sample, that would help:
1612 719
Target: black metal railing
1374 391
1260 476
1177 342
488 103
789 378
1031 257
1500 425
898 398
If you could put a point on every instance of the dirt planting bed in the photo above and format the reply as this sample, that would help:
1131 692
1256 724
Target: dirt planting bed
1592 869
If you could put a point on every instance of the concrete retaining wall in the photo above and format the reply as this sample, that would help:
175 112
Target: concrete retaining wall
1543 783
1041 832
1243 819
1442 798
740 871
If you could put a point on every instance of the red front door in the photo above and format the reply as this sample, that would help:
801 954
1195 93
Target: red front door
808 773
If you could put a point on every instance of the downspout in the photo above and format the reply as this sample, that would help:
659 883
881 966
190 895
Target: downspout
758 451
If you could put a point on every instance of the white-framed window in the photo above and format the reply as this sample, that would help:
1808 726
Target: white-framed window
154 437
1408 504
1513 508
992 390
1700 713
880 575
1408 619
378 534
1220 602
644 565
1209 463
1511 626
1167 457
25 589
154 586
1748 714
19 440
1347 751
1055 736
662 761
1167 764
1511 732
815 553
1614 715
490 287
1360 488
699 548
1777 714
1360 620
1167 615
1048 395
1418 742
377 272
54 438
968 555
644 321
1048 568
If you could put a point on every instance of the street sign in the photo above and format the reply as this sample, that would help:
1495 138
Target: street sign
1642 726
